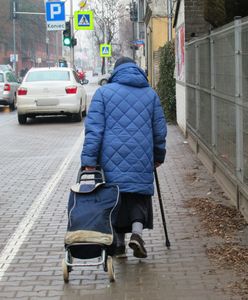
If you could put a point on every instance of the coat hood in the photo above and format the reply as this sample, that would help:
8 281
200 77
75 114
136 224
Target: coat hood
129 74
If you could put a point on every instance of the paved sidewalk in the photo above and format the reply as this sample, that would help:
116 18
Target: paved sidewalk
182 273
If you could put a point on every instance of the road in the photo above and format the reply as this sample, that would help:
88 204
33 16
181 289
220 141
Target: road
39 162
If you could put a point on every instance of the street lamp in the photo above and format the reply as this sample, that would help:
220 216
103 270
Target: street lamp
169 14
72 33
133 18
14 35
105 59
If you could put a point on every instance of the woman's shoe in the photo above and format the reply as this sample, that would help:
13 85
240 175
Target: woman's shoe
137 244
120 252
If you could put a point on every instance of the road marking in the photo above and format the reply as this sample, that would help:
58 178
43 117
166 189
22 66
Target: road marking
16 240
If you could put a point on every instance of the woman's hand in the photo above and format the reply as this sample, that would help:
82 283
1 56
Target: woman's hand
90 168
157 164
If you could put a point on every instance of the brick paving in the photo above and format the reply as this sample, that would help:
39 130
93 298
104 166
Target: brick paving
183 272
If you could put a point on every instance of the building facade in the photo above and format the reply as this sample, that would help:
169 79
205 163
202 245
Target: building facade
156 22
27 36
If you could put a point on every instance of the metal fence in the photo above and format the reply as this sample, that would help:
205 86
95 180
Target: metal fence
217 95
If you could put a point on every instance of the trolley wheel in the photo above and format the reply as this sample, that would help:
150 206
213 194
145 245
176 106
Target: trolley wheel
70 260
110 268
65 271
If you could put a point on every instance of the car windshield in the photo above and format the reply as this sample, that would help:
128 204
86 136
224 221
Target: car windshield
1 77
48 76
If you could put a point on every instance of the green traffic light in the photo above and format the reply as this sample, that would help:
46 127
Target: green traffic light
67 41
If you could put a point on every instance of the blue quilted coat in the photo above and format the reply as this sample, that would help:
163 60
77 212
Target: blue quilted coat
125 130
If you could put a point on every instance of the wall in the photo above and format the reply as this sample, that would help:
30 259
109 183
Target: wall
30 44
156 34
180 68
195 24
159 32
159 7
157 38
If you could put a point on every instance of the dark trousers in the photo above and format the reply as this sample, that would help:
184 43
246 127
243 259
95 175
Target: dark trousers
134 207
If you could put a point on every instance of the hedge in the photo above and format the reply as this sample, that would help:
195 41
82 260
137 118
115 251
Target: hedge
166 87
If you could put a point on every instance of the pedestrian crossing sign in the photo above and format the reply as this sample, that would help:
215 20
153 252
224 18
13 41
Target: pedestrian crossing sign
105 50
83 20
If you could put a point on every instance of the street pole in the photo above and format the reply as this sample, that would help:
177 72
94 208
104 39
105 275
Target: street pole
138 18
57 48
47 49
133 47
133 18
72 34
169 13
14 36
104 40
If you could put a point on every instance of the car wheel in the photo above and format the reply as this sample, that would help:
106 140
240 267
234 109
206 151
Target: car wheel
22 119
12 105
84 113
85 110
77 117
104 81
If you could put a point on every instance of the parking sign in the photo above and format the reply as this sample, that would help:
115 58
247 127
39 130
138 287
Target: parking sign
55 15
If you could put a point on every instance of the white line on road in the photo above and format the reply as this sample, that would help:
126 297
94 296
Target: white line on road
15 241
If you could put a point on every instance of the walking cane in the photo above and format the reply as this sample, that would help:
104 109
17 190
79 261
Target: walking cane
167 242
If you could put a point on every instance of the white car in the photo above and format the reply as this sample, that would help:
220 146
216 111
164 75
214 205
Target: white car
8 89
103 79
51 91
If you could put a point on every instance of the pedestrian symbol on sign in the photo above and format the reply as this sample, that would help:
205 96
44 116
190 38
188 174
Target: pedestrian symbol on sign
105 50
84 20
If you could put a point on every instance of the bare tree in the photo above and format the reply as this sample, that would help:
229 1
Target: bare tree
109 16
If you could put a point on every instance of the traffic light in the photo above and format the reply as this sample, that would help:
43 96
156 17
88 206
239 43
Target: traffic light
13 9
73 42
133 11
67 39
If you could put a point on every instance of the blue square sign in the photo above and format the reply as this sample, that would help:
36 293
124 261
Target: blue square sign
84 20
55 11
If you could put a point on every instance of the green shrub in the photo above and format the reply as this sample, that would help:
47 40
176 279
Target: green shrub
166 84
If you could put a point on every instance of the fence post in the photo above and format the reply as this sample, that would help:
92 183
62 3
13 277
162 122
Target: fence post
213 101
238 99
197 84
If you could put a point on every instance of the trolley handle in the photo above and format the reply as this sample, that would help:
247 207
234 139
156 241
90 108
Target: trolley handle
98 175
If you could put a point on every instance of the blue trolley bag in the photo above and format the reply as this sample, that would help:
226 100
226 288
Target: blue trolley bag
92 210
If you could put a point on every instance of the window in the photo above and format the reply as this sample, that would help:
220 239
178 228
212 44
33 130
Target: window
1 77
8 77
48 76
76 76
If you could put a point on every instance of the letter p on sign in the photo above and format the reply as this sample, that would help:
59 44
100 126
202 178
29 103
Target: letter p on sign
55 10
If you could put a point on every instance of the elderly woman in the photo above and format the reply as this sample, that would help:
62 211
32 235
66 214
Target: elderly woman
125 133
